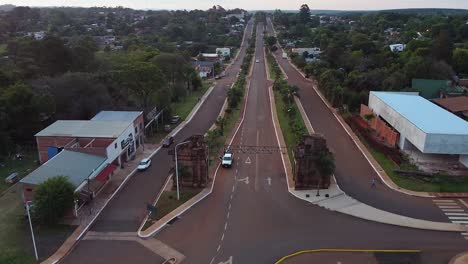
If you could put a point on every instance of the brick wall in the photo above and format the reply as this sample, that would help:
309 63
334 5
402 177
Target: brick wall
44 142
384 131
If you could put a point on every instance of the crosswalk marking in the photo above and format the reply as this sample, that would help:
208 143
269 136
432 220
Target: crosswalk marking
460 222
453 210
456 214
458 218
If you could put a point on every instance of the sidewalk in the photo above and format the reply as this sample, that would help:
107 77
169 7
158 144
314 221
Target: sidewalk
88 213
375 165
461 258
338 201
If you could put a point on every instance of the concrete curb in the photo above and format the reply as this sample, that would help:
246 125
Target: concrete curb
174 132
461 258
205 192
385 217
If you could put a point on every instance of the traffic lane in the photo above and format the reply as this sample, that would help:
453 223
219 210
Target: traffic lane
297 226
111 251
198 232
350 162
126 211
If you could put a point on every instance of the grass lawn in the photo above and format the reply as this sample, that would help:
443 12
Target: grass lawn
15 236
186 104
3 49
23 167
437 183
168 202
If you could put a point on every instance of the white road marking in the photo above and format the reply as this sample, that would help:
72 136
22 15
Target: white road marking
456 214
229 261
449 206
229 206
222 237
225 226
228 214
219 247
447 203
460 222
442 201
245 180
269 180
248 161
463 202
233 188
237 171
212 260
453 210
458 217
231 196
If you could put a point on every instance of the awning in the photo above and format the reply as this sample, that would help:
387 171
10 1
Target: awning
103 176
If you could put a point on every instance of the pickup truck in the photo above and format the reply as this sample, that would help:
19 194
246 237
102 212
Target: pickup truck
227 160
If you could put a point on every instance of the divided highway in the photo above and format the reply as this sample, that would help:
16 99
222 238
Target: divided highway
251 218
353 172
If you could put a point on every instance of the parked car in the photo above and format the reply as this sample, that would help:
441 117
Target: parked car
175 119
12 178
167 142
144 164
257 61
217 77
227 160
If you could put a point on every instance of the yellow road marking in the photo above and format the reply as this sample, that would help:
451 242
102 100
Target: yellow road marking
346 250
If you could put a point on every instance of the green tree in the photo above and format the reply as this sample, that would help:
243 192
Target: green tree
326 164
304 14
52 199
443 47
460 60
144 81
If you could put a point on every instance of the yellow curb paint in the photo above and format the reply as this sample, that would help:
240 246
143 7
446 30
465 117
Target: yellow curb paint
345 250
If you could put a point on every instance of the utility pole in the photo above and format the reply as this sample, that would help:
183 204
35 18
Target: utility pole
32 230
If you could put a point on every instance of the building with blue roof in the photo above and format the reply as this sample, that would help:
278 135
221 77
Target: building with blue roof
421 124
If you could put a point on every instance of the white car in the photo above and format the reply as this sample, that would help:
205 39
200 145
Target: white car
257 61
227 160
144 164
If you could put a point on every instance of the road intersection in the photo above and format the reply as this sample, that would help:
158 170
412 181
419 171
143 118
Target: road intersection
250 217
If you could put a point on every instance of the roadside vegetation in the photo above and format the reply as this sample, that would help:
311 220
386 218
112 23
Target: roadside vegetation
355 58
290 119
217 137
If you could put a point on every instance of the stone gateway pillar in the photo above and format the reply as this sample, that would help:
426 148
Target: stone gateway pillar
306 170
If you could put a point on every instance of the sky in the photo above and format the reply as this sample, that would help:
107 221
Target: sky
251 4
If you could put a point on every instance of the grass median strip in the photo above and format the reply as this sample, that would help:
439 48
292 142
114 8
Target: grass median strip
290 119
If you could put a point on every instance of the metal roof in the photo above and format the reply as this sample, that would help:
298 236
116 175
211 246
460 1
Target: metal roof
453 104
129 116
76 166
85 128
424 114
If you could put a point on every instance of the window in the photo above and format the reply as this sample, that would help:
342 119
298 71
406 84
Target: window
136 130
29 189
115 145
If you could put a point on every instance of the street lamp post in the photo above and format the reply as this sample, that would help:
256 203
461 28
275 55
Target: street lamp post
32 231
177 168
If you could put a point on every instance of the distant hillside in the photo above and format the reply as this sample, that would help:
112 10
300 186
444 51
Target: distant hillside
6 7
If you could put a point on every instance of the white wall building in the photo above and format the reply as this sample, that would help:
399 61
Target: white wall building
225 52
421 124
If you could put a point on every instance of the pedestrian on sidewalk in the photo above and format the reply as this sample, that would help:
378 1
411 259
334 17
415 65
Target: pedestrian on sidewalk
373 183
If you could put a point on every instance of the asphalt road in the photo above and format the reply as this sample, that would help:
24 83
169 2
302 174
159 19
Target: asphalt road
251 218
259 221
128 208
353 172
